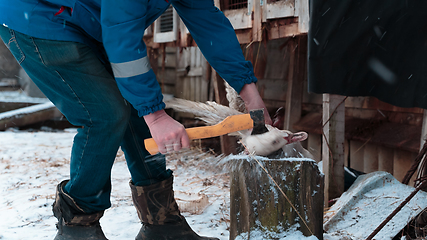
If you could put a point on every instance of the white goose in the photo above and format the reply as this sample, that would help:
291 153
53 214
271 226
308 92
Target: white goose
262 144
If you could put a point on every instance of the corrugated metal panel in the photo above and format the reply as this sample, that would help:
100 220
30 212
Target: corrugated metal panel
193 85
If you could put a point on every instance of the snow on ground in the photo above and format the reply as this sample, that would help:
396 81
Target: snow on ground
19 96
33 163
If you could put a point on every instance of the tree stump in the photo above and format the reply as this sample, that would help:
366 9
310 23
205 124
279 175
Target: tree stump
259 210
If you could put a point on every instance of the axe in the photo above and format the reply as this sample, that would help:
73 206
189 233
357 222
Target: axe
254 119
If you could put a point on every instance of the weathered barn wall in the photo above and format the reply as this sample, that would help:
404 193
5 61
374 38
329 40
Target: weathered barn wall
274 58
193 80
379 136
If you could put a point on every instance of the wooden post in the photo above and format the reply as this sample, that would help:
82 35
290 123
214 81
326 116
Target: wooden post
296 78
257 206
333 145
302 12
257 19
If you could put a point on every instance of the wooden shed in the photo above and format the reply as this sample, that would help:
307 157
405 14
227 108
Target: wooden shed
362 133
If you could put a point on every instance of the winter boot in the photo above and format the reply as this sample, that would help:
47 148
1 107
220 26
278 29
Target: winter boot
73 222
159 213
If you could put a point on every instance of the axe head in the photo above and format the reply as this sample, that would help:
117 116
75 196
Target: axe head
257 116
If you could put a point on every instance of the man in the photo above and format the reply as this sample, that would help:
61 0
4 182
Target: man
89 59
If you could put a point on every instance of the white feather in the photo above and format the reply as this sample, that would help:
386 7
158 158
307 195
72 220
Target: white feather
209 112
234 100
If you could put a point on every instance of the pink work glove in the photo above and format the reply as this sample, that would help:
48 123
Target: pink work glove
168 134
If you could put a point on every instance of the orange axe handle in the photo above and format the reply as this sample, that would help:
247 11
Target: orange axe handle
228 125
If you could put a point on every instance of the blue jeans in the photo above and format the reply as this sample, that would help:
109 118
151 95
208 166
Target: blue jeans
79 81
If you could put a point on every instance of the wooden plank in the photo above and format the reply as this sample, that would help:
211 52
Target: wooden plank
401 163
206 79
273 89
281 9
192 57
356 155
167 76
192 89
198 58
302 12
244 36
273 104
180 72
163 64
261 59
183 58
8 106
220 93
195 72
239 18
184 94
205 90
385 159
375 104
170 59
293 101
374 131
346 153
198 88
257 22
296 78
278 52
28 115
148 31
169 89
153 55
184 35
263 10
179 86
282 28
370 162
9 84
333 145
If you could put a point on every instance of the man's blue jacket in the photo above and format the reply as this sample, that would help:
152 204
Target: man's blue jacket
119 25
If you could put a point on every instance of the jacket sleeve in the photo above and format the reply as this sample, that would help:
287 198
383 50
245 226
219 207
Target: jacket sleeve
123 24
217 40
